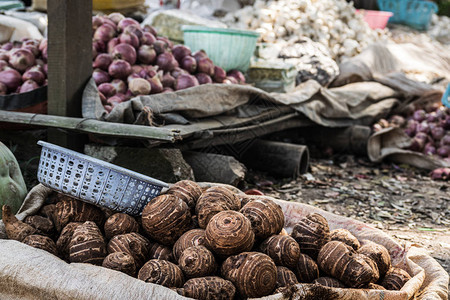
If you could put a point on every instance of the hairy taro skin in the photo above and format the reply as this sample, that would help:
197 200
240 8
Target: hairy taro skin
306 269
193 237
395 279
311 233
72 210
188 191
346 237
329 282
120 261
378 253
41 242
87 244
209 287
285 277
132 243
161 272
120 223
197 261
283 249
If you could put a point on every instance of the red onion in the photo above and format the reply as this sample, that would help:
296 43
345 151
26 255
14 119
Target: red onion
180 51
143 74
114 100
165 40
151 70
156 85
203 78
35 75
3 65
119 85
417 144
116 17
132 76
168 80
111 44
185 81
125 52
100 76
108 107
177 72
152 30
443 151
139 86
160 47
99 46
28 86
446 123
411 127
167 90
429 149
440 174
45 69
230 80
166 62
237 75
94 51
4 55
423 127
7 46
432 117
441 113
40 62
136 30
103 61
97 21
11 78
104 33
419 115
446 140
146 54
199 55
432 106
129 38
107 89
205 65
21 59
3 89
438 133
128 95
32 48
126 22
122 97
219 74
102 98
119 69
147 38
43 44
189 64
136 68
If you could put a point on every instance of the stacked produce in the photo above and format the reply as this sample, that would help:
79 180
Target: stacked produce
240 250
335 24
130 60
23 66
429 128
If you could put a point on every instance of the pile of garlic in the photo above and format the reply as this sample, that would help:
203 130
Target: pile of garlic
333 23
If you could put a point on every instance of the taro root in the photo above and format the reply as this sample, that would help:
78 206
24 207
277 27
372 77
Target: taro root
346 237
209 288
166 218
161 272
343 263
48 211
120 261
395 279
158 251
120 223
311 233
229 232
285 277
329 282
378 253
253 274
284 250
44 226
197 261
374 286
87 244
188 191
213 201
72 210
63 242
193 237
41 242
306 269
132 243
266 217
15 229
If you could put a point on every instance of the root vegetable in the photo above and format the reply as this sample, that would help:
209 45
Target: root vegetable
44 226
63 242
87 244
240 78
125 52
177 72
189 64
205 65
284 250
419 115
229 232
100 77
219 74
116 17
166 218
285 277
28 86
129 38
104 33
395 279
168 81
15 229
103 61
161 272
120 261
147 39
329 282
123 23
3 89
346 237
197 261
166 62
155 84
180 51
107 89
306 269
185 81
146 54
203 78
230 80
132 243
120 223
443 151
119 69
111 44
160 47
158 251
21 59
311 233
72 210
209 288
41 242
35 75
11 78
152 30
378 253
199 55
139 86
253 274
187 190
136 30
194 237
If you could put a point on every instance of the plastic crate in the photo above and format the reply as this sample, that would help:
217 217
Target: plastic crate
228 48
446 97
376 19
95 181
414 13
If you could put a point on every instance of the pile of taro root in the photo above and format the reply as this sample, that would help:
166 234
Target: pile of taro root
131 60
208 244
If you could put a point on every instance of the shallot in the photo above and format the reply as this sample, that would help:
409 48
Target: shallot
11 78
119 69
21 59
28 86
125 52
185 81
139 86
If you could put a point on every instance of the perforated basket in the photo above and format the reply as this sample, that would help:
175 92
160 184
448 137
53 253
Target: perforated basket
95 181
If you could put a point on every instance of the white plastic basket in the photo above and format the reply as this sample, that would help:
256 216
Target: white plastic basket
95 181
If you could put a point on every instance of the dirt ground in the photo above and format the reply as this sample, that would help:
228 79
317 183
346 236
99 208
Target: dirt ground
395 198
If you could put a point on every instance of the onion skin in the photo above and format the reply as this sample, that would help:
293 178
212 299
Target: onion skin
135 30
116 17
165 40
230 80
203 78
119 69
97 21
219 74
102 61
111 44
119 85
185 81
139 86
177 72
168 81
146 54
429 149
3 65
125 52
104 33
443 151
160 47
35 75
4 55
126 22
156 85
147 39
167 90
180 51
151 29
189 64
11 78
205 65
166 62
3 89
129 38
21 59
446 140
28 86
102 98
419 115
114 100
107 89
438 133
199 54
440 174
7 46
240 78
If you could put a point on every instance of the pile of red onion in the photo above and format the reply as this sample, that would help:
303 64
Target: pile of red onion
23 66
429 128
130 60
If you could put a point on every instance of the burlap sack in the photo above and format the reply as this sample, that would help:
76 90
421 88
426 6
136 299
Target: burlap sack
28 273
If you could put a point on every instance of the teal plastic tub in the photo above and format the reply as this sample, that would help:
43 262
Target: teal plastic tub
414 13
228 48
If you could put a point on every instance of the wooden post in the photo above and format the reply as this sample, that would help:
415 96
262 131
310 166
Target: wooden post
69 61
